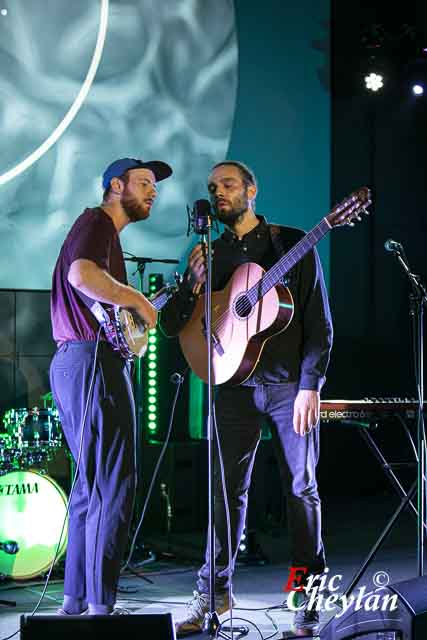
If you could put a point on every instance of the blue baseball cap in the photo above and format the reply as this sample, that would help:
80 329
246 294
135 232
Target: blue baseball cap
117 168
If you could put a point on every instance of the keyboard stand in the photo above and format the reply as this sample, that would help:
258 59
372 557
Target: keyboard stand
365 429
406 497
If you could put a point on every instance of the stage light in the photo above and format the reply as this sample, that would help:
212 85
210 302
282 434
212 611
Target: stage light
374 81
4 12
417 89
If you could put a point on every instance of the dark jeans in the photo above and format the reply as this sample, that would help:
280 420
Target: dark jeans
102 501
240 412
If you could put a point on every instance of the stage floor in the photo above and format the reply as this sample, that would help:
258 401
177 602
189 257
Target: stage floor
351 528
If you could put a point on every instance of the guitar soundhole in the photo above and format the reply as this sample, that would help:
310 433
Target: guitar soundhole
243 306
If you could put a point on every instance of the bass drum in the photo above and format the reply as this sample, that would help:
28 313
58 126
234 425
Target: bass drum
33 508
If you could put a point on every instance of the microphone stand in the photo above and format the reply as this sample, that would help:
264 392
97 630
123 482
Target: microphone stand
200 219
417 300
141 264
211 619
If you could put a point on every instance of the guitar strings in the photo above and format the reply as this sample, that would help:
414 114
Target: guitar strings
267 278
275 270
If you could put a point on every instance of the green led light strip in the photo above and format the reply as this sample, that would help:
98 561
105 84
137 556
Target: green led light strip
151 391
155 282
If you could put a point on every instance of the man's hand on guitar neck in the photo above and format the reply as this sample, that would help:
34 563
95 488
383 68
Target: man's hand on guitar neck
306 411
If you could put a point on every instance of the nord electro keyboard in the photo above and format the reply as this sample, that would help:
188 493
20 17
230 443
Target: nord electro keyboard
368 409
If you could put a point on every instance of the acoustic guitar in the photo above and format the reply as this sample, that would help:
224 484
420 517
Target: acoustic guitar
253 306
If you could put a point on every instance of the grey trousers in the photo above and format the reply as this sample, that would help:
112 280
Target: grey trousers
102 501
240 412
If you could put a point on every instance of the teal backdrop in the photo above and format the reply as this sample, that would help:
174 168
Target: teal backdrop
188 82
282 120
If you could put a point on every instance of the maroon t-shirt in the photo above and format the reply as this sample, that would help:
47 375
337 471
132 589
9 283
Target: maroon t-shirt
93 237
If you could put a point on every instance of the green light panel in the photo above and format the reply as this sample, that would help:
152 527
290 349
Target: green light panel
151 413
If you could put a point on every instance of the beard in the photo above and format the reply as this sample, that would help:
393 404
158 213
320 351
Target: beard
133 209
239 206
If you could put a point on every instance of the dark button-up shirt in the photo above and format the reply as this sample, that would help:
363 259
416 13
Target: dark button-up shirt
301 352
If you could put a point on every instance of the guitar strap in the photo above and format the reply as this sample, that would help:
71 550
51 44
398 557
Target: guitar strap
276 240
281 247
94 307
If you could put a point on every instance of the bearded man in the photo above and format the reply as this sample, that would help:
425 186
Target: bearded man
284 389
92 387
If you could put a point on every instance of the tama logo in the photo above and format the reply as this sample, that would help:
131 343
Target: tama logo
18 489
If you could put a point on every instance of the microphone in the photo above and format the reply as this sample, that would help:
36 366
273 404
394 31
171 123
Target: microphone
9 546
198 217
392 245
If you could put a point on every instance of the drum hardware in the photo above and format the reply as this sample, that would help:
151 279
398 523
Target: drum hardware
9 546
47 400
31 438
7 603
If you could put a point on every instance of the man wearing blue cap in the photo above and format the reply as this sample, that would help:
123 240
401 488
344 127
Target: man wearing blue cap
91 383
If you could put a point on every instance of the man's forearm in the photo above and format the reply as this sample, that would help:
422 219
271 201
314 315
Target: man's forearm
97 284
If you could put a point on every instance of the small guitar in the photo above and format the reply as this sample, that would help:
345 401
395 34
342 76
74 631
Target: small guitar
124 329
253 306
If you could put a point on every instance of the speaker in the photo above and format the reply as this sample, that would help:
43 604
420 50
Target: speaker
153 626
406 621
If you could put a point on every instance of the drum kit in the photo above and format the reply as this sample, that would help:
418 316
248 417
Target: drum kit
33 506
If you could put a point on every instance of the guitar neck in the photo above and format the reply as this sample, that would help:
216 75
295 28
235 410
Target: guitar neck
161 299
286 262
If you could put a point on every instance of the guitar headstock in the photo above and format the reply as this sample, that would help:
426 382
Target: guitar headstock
350 209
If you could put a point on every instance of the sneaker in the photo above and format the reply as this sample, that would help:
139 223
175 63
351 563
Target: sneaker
120 611
64 612
305 619
117 611
197 608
